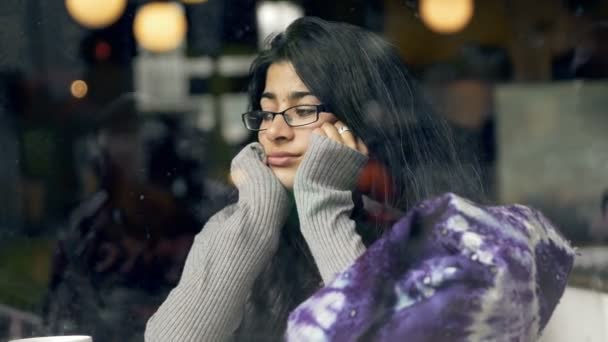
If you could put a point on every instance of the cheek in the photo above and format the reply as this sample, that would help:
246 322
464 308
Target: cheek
262 140
303 138
307 134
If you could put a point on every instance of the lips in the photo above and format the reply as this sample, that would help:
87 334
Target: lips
281 159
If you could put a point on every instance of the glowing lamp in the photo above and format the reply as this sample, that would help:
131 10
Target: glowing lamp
275 16
95 13
446 16
79 89
160 26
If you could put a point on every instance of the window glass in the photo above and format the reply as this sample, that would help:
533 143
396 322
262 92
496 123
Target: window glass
120 119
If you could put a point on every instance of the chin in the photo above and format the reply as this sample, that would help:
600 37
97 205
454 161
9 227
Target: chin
285 176
287 182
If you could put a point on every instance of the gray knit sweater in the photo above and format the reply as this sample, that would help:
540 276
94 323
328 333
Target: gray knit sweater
236 243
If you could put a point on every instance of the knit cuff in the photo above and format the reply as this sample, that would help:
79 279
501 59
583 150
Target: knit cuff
258 187
329 164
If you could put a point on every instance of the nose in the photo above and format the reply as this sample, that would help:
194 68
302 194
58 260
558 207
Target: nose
279 129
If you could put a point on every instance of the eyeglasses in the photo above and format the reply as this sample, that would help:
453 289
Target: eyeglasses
302 115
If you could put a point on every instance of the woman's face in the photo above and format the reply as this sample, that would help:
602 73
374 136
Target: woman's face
284 145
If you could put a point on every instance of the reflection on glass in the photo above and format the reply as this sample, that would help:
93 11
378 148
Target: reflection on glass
119 137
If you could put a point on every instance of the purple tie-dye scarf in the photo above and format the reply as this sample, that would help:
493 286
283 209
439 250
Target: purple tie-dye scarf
449 270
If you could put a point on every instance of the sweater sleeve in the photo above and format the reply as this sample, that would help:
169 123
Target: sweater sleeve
323 194
225 259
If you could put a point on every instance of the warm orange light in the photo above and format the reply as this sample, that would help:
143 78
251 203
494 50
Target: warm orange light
79 89
446 16
95 13
160 26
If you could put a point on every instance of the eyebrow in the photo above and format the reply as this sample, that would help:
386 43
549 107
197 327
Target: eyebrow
293 96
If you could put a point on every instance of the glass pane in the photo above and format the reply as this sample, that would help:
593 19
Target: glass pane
126 171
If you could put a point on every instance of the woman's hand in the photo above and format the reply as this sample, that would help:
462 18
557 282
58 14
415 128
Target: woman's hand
333 160
340 133
249 168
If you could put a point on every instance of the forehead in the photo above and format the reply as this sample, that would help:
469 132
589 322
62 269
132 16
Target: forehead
282 78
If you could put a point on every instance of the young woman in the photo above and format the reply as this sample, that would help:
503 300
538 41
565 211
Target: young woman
325 97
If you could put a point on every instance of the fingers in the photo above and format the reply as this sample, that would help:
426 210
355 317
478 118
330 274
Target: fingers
319 131
249 161
332 131
361 147
347 137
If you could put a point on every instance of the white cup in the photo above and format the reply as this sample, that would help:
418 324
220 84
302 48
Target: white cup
71 338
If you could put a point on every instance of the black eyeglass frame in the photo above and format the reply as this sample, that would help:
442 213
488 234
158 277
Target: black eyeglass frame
320 108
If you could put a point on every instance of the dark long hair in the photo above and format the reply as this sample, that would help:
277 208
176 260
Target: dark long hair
362 80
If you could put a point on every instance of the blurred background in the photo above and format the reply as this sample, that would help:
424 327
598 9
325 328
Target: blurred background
119 118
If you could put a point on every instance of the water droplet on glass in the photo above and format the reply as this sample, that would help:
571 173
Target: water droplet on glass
474 257
141 197
426 280
353 313
444 231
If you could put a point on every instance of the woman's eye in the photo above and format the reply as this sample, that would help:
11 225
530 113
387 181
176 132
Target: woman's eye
305 111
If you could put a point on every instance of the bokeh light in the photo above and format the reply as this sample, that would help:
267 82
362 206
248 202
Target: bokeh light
95 13
275 16
103 50
160 26
79 89
193 1
446 16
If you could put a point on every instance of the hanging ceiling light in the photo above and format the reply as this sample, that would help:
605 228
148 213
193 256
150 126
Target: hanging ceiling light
160 26
446 16
95 13
79 89
275 16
